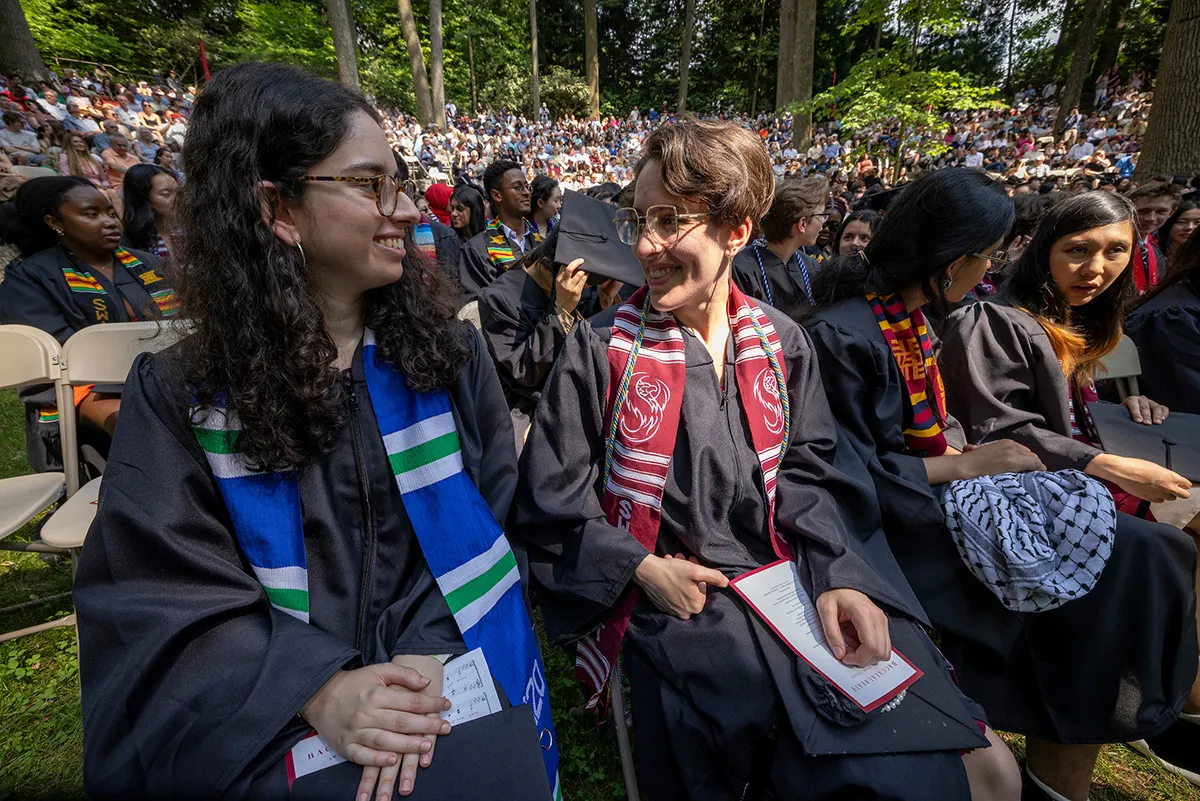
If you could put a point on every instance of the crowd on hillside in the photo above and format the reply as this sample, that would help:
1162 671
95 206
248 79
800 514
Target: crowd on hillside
750 426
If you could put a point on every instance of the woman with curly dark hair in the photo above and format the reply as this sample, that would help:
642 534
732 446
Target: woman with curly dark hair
299 522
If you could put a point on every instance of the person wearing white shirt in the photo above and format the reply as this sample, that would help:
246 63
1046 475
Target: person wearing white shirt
1080 151
973 158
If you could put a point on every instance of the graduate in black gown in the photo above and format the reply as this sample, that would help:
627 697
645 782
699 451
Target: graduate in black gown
722 707
1166 329
505 239
779 272
265 560
1021 367
1061 677
73 273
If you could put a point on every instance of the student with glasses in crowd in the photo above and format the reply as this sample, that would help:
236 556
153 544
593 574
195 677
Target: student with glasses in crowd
505 239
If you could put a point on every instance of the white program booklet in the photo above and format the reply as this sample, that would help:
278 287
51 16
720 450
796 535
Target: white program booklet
466 681
777 595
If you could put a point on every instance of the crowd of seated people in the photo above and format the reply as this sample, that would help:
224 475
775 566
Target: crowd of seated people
334 488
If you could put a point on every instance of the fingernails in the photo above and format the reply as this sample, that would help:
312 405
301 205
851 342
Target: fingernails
423 679
445 728
425 760
364 797
405 787
391 760
426 745
445 704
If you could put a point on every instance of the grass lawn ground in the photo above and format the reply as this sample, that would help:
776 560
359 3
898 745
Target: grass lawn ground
41 733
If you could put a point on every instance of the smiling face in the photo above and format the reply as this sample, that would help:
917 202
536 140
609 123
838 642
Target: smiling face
1152 212
1086 263
688 271
856 237
349 246
1187 222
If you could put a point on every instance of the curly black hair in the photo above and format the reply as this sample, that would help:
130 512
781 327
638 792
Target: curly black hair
259 342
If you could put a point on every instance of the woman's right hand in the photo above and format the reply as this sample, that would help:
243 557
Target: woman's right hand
677 585
1138 477
372 714
1001 456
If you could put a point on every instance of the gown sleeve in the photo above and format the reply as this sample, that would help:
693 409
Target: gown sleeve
1168 343
825 501
580 564
475 271
523 349
188 673
24 300
992 368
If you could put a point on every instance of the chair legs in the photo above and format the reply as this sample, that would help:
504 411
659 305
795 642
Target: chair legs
618 714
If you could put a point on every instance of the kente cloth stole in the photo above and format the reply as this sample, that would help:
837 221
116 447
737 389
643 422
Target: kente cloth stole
463 544
911 347
82 281
647 374
500 250
423 239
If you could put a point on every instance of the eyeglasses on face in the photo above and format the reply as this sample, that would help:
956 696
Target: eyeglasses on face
521 188
662 221
386 188
997 258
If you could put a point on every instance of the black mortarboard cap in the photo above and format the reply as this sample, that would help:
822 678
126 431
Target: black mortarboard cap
586 230
1174 443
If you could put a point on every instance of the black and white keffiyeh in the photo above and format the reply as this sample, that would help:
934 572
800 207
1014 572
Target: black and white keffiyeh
1036 540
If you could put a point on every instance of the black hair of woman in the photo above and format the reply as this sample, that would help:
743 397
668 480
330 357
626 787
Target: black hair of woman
1184 269
930 223
868 216
138 217
1164 233
259 334
23 219
1031 284
470 198
541 190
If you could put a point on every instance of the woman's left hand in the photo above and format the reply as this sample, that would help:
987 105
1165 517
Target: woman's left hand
405 769
1145 411
855 628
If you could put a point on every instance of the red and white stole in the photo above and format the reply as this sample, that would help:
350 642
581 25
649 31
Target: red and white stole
647 374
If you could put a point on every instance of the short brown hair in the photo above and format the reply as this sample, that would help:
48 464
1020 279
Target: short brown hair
1154 190
719 164
795 199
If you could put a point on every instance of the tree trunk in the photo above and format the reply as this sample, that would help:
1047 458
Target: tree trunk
762 24
345 41
1173 135
1066 35
685 53
802 72
416 60
784 74
18 53
1012 35
1085 37
471 66
437 64
591 56
535 84
1110 39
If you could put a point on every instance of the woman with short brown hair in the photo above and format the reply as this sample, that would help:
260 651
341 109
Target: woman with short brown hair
684 440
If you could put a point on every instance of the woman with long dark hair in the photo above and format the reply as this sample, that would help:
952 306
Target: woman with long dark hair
702 448
1021 368
73 273
1178 227
299 519
545 202
149 193
467 215
856 232
1166 328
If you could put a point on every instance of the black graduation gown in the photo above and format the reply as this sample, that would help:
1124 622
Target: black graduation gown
191 681
787 286
476 270
523 334
35 293
447 245
718 700
1109 667
1166 330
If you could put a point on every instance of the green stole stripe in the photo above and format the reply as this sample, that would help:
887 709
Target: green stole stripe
425 453
477 587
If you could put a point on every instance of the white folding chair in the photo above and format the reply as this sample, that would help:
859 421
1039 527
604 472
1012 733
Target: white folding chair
33 172
470 313
98 354
1122 367
31 357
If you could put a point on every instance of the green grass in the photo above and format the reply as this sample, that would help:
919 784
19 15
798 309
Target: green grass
41 733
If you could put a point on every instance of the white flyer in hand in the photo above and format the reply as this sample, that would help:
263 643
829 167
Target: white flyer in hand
777 595
467 682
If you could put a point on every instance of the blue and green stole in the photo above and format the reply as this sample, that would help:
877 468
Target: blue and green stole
463 544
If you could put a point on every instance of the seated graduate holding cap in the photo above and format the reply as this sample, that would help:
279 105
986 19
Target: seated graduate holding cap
683 441
1019 367
298 525
526 314
1165 326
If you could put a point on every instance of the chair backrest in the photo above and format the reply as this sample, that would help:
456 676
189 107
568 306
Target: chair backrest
31 356
33 172
1122 362
103 354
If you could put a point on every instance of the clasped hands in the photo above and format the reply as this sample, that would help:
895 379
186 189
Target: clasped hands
855 628
385 717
